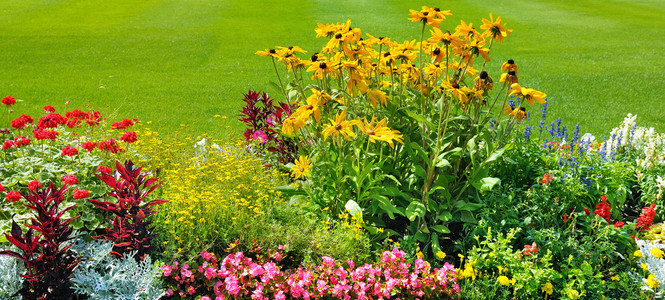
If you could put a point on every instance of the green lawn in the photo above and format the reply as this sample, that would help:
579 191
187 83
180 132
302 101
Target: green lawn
183 61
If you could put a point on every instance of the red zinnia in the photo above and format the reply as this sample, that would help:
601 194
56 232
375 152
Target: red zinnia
49 108
89 146
129 137
9 101
34 185
80 194
70 179
69 151
13 196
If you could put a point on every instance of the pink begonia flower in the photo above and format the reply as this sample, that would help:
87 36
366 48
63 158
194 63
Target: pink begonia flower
260 135
206 255
279 295
205 298
210 273
166 269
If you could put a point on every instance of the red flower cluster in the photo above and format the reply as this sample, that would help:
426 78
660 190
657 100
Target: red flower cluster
20 141
547 178
124 124
8 144
19 123
13 196
52 120
69 151
9 101
2 188
619 224
530 249
75 117
603 209
81 194
89 146
70 179
104 169
110 145
49 108
44 134
34 185
129 137
646 218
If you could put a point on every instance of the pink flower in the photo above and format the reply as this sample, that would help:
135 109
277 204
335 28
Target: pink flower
169 292
191 290
260 135
81 194
206 255
34 185
166 270
70 179
205 298
210 273
279 295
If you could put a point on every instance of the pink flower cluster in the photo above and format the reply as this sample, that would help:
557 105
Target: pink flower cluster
238 276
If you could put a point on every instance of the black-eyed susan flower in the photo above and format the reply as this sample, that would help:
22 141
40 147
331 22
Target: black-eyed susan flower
340 127
509 78
379 131
268 52
518 113
494 29
483 82
530 95
301 167
445 38
321 69
426 16
376 96
292 124
509 65
311 107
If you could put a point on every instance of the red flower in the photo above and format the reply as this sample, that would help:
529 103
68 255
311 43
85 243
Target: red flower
52 120
546 179
45 134
34 185
9 101
80 194
104 169
2 188
89 146
94 117
69 151
646 218
19 123
49 108
124 124
70 179
532 249
20 141
129 137
13 196
619 224
586 211
8 144
110 145
603 209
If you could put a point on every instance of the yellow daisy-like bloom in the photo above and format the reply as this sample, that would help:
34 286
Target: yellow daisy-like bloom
292 124
644 266
509 78
657 253
340 127
637 253
440 254
430 16
268 52
509 65
615 278
518 113
301 167
503 280
494 28
547 288
527 94
446 38
376 96
379 131
321 69
652 282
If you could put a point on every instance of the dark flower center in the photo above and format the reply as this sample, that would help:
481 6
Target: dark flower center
322 65
437 9
338 127
370 132
511 73
314 58
272 51
455 85
437 51
483 75
522 108
310 107
511 62
425 13
338 36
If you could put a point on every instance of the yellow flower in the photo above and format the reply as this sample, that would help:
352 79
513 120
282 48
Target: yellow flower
321 69
301 167
644 266
380 131
527 94
494 28
429 16
376 96
340 127
657 253
518 113
267 52
292 124
547 288
615 278
573 294
509 65
637 253
440 254
652 282
503 280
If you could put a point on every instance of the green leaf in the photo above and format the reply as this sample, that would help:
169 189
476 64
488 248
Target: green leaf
445 216
495 155
467 217
386 205
441 228
468 206
486 184
415 210
419 118
441 162
354 209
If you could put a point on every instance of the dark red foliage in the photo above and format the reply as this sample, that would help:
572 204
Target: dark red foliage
44 248
260 114
130 231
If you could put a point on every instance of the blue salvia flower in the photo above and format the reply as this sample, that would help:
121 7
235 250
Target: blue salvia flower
632 135
527 132
576 135
542 118
511 103
602 151
552 129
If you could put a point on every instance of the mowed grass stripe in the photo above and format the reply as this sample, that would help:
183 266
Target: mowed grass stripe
182 62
